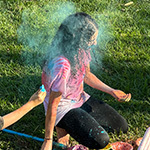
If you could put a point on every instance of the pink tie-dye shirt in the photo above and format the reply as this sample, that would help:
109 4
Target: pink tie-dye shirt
57 76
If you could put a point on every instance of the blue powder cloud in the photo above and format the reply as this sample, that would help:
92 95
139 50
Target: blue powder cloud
39 25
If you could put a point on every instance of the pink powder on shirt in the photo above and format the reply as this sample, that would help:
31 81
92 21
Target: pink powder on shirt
57 76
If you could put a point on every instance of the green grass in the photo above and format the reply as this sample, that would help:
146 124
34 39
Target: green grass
125 49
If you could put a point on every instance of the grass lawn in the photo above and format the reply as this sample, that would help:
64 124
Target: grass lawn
26 30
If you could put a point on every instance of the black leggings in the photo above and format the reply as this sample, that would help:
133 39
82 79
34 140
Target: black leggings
89 123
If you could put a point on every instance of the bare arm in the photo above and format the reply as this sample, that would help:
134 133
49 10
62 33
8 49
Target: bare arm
94 82
36 99
17 114
54 100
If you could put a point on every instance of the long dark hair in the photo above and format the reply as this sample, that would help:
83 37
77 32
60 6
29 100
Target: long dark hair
74 33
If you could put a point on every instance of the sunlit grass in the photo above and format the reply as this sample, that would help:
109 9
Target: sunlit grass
125 64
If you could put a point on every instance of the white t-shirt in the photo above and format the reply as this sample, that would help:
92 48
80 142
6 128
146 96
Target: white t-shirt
57 76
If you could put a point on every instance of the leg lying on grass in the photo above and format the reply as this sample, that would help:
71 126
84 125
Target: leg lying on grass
89 124
84 129
105 115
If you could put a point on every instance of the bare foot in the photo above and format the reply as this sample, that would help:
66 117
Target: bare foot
62 136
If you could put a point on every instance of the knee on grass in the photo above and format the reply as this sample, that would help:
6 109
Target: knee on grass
122 126
99 142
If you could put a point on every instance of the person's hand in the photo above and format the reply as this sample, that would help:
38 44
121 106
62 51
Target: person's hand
47 145
38 97
121 96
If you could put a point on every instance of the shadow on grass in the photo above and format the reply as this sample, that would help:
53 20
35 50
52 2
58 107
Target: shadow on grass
130 77
32 124
14 93
16 90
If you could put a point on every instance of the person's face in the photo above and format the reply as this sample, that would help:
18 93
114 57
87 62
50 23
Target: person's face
93 40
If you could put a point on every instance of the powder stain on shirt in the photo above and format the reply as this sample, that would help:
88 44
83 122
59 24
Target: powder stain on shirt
102 131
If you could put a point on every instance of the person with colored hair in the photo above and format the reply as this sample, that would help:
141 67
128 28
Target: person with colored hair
68 107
